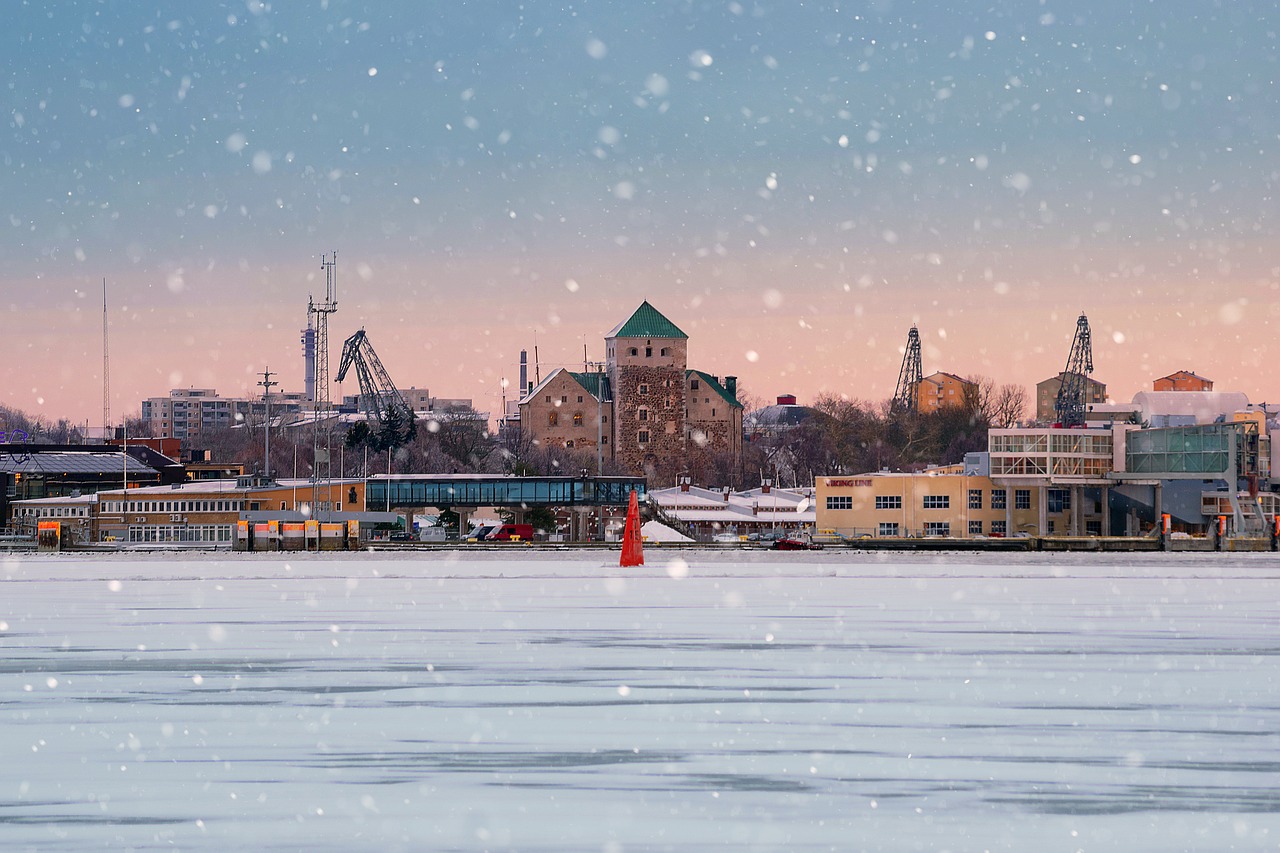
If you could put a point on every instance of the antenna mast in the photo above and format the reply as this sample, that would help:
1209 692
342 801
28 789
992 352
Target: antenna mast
322 436
106 370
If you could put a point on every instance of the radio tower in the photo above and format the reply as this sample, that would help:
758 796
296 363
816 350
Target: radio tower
322 436
106 373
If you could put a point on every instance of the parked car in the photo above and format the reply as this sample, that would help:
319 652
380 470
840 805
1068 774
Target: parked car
479 534
799 542
726 537
511 533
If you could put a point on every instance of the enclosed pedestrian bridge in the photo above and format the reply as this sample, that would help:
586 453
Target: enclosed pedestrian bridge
445 491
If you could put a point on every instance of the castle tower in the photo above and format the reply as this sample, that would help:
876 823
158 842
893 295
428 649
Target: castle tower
646 357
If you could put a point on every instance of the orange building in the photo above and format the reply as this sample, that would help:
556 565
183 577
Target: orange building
1183 380
944 391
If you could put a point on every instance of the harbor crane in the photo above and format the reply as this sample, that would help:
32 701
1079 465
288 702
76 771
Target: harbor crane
1073 395
906 396
379 396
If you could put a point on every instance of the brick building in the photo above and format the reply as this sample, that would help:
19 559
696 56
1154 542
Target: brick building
645 407
943 391
1047 395
1182 380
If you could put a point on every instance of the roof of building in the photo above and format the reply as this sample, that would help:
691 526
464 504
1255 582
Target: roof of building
18 461
930 377
780 417
1190 374
1204 406
595 383
646 322
714 384
587 381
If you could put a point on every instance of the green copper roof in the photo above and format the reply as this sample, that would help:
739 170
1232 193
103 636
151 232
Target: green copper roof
646 322
714 384
592 382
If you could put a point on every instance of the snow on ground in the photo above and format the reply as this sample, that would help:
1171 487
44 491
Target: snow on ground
541 700
656 531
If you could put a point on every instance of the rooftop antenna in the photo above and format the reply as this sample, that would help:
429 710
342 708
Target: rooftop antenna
322 437
106 370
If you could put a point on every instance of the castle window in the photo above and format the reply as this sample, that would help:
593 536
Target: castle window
579 398
569 444
648 352
643 436
643 388
665 351
633 351
713 413
548 398
642 414
553 418
577 419
604 439
693 385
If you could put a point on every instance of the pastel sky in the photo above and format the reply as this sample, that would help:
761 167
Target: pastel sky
793 183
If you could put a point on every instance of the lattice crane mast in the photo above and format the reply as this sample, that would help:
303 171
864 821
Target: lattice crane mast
378 394
1072 400
906 396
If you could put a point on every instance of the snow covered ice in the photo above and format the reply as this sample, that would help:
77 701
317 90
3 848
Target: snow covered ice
834 701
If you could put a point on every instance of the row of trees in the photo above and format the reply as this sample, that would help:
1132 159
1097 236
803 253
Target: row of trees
847 436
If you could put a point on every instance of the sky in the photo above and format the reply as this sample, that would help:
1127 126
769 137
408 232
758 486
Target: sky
794 184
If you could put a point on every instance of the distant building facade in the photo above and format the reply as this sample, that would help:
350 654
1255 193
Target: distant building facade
943 391
1182 380
646 405
187 413
1047 395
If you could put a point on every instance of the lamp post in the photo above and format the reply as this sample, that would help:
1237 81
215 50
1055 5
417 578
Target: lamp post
266 384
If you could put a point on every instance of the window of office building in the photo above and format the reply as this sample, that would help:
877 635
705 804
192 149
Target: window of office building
975 528
937 528
888 528
975 499
888 502
999 499
1022 499
839 502
937 501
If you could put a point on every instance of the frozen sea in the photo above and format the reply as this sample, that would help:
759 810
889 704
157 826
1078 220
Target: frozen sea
544 701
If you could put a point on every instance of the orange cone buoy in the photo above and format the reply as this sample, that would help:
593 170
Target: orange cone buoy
632 549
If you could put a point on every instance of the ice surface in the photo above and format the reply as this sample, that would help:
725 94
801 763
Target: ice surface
827 701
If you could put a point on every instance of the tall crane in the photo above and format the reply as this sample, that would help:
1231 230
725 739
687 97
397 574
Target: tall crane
379 396
1073 395
905 397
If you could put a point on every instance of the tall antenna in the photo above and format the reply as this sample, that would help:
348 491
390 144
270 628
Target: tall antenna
322 436
106 369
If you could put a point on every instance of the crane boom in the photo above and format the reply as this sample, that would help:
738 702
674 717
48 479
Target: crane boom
905 397
379 396
1073 394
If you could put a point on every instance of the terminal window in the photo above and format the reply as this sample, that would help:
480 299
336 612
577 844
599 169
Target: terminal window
888 502
937 501
839 502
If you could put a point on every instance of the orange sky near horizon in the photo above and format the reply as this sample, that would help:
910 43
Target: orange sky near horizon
805 324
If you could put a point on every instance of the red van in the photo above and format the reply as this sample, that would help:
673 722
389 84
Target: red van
511 533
